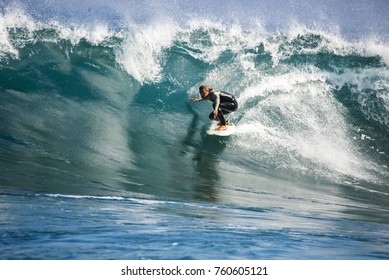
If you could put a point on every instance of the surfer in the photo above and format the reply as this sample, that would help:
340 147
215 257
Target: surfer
223 103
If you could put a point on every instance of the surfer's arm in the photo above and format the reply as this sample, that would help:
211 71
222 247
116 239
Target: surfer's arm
217 103
196 99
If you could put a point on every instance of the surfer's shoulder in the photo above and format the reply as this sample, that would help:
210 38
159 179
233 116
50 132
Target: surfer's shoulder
215 92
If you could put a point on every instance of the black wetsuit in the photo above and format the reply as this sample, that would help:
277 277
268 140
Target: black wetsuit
225 102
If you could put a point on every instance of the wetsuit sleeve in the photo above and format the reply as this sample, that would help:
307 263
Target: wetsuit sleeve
217 99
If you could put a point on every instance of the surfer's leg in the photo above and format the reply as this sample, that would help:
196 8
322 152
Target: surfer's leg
219 117
224 108
212 117
228 107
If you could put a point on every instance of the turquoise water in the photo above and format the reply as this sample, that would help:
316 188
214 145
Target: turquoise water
102 155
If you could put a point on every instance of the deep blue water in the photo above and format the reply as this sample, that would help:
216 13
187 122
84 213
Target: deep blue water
102 155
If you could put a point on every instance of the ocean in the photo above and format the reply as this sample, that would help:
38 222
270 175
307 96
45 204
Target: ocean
103 156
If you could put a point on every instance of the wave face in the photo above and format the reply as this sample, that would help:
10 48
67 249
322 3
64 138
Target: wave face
102 109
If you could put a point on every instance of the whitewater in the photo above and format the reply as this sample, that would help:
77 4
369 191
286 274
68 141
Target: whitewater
103 156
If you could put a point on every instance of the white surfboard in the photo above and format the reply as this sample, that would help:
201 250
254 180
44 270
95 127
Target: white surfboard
212 129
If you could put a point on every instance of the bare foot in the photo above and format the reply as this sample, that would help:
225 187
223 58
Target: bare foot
222 127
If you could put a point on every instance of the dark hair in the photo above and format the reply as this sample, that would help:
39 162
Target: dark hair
204 87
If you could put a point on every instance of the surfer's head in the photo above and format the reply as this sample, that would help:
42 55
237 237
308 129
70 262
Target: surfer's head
204 91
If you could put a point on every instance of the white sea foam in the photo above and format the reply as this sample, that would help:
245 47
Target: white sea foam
141 55
95 35
299 126
13 18
376 46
